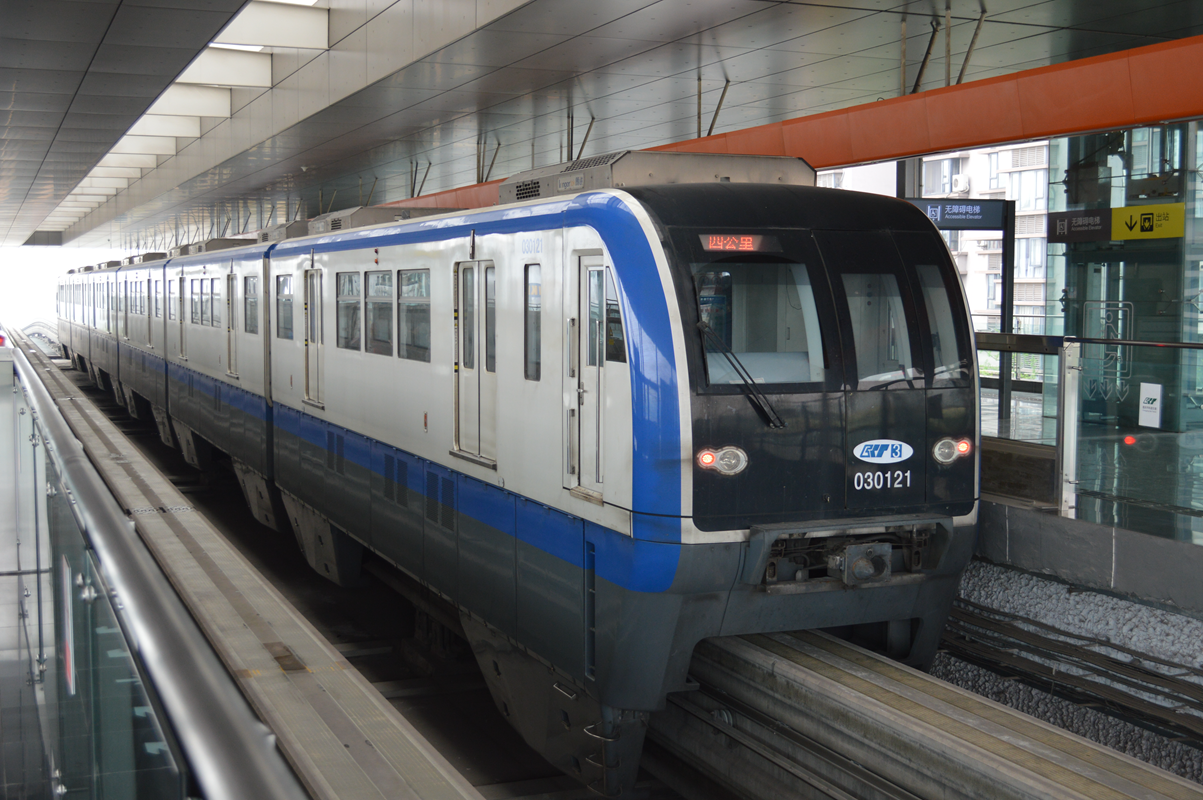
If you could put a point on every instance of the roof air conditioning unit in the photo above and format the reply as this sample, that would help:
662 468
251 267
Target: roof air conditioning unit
643 168
209 245
960 183
362 216
142 258
282 231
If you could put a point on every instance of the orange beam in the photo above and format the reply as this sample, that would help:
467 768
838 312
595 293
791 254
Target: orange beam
475 196
1121 90
1135 87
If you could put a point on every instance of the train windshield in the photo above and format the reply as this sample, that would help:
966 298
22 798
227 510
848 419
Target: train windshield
763 310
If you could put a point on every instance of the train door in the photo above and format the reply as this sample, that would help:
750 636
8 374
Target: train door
123 309
231 328
590 358
152 301
181 312
885 396
313 335
476 359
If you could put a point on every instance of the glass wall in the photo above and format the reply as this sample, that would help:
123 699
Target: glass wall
79 718
1123 264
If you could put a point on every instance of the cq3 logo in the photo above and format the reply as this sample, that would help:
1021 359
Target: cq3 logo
883 451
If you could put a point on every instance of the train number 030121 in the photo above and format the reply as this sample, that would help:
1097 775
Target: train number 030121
885 479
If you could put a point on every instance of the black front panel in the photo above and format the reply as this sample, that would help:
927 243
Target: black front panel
793 472
887 452
828 339
951 414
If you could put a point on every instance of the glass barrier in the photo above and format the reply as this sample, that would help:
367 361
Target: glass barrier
98 655
1139 437
1030 412
87 723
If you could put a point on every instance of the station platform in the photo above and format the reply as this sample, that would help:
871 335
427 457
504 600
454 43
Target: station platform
339 735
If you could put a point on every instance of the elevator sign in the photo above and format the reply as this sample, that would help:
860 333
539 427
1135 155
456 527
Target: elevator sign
962 214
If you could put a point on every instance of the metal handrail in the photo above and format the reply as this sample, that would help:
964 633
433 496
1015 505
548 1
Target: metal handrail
1051 345
230 752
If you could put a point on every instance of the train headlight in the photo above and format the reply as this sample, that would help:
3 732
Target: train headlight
726 460
947 451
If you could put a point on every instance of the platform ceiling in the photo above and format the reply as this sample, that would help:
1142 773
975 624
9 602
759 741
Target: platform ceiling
472 88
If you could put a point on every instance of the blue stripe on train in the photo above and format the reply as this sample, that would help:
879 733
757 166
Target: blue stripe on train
633 563
654 388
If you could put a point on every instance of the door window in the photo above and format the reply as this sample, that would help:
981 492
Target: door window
880 332
468 317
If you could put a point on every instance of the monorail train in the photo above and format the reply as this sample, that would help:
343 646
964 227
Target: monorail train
603 425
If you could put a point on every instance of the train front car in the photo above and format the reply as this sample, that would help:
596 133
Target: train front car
835 411
828 440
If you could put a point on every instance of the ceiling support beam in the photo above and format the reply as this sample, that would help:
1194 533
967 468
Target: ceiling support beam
935 31
719 107
972 44
948 42
579 153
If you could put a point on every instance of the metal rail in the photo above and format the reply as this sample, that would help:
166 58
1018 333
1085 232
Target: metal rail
806 715
230 752
1155 693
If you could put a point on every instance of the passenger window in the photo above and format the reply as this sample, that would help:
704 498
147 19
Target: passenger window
284 306
348 310
196 301
250 304
380 312
616 344
215 302
533 333
158 292
413 314
205 305
880 332
490 319
764 314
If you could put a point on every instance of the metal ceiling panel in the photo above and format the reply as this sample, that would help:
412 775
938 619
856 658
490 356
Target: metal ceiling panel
631 64
85 71
36 54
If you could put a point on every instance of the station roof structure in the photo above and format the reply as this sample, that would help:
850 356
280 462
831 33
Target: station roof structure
143 123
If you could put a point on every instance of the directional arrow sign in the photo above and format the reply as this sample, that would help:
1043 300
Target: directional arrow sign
1152 221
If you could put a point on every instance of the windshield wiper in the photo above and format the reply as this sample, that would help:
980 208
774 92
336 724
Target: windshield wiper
758 398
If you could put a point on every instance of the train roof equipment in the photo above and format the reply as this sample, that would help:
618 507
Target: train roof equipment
283 230
142 258
362 216
627 168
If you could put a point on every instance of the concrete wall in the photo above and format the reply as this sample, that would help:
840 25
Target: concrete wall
1136 565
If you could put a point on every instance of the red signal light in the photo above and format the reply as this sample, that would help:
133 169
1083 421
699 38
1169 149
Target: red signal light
1129 439
706 458
963 446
